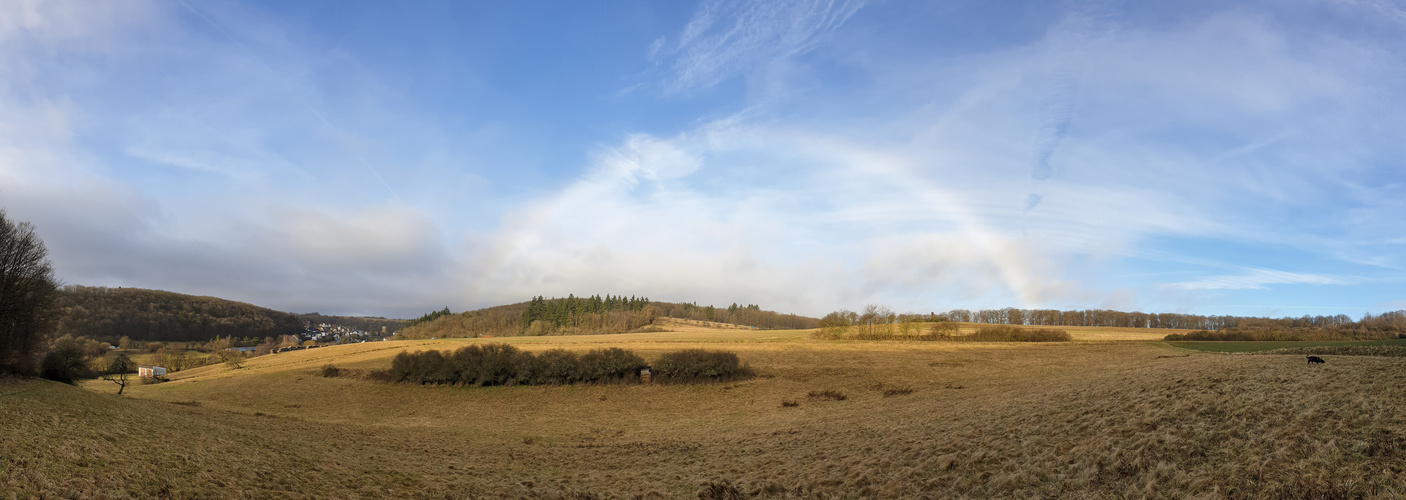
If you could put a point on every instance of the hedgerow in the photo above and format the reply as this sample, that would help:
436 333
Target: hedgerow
503 364
699 364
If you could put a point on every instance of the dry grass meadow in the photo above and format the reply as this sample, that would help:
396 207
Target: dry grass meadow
1109 415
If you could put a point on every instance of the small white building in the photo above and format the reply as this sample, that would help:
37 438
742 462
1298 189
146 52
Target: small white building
151 371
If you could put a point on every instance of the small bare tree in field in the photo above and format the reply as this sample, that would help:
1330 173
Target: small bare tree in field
117 371
232 358
943 330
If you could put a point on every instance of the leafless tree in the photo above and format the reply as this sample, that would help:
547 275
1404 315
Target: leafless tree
28 296
232 358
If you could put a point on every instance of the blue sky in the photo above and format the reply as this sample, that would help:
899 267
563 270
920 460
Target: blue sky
391 158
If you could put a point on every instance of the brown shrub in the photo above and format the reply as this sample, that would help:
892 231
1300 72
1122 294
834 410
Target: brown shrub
829 394
897 391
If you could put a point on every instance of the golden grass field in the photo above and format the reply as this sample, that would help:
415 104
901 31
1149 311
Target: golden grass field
1098 417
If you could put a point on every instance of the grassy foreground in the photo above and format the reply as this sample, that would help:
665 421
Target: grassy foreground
1080 419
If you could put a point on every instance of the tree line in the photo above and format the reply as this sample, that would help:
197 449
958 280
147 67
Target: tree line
877 321
1370 327
592 314
1104 317
749 315
428 317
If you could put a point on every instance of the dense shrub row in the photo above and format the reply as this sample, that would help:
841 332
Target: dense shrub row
699 364
503 364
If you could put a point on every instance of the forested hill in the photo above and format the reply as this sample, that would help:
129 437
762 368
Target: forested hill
112 313
590 315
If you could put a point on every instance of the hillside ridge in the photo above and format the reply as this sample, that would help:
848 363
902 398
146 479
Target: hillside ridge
142 314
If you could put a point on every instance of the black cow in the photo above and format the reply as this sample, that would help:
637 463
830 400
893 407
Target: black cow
1315 359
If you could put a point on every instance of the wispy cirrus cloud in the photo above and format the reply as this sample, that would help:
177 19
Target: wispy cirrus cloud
1068 46
1259 279
726 38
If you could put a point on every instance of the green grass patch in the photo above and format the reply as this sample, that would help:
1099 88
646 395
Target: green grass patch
1394 351
1222 346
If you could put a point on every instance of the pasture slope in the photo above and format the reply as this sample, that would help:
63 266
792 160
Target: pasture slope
1085 419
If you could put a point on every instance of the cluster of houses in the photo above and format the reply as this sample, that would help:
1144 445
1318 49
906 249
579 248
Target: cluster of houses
329 334
335 333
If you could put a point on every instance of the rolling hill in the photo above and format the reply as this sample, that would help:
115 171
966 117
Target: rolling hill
591 315
154 315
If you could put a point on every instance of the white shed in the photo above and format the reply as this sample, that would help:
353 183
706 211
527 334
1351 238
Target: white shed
151 371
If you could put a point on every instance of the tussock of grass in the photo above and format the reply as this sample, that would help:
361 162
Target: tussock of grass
897 391
722 490
790 403
828 394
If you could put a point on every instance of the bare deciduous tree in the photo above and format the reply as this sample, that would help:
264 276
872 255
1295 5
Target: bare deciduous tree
28 294
232 358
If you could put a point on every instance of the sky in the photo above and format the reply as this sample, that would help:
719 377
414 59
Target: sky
393 158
